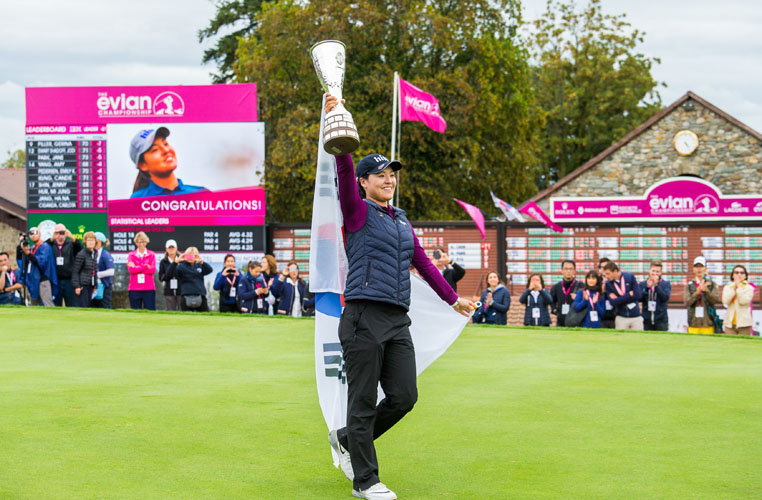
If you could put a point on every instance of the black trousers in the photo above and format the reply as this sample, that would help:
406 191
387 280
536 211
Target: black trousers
659 326
375 338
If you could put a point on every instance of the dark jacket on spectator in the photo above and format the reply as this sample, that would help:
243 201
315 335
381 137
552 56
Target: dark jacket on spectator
660 294
247 294
452 274
69 250
222 284
621 303
190 277
13 297
285 293
544 300
580 303
106 262
560 298
85 268
497 312
166 278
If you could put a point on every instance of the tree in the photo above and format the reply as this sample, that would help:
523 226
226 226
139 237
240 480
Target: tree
16 159
465 53
592 86
242 16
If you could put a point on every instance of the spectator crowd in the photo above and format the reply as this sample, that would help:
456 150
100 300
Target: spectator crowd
64 271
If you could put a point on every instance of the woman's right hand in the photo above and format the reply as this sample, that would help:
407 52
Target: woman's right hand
331 102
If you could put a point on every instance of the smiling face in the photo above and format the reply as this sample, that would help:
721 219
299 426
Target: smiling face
380 187
493 280
592 281
230 262
655 273
160 159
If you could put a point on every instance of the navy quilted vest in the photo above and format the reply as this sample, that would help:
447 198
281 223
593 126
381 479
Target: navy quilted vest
379 254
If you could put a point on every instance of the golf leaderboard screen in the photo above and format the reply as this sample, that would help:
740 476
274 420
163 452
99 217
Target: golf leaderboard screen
90 168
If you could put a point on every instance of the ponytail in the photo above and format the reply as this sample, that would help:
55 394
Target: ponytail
141 181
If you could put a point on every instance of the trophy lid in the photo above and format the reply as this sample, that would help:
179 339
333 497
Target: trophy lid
326 41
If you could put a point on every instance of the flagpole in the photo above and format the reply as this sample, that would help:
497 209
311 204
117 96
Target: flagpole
395 105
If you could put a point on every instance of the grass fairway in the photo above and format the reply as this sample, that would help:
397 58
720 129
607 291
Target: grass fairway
129 405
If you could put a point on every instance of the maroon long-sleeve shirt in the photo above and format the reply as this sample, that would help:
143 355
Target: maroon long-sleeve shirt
354 210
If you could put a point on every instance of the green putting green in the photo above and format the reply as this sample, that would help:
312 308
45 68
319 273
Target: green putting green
138 405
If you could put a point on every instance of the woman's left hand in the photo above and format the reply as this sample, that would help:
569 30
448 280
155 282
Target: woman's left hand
464 306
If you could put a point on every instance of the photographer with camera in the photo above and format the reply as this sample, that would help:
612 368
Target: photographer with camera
39 268
451 271
227 282
11 282
190 270
65 248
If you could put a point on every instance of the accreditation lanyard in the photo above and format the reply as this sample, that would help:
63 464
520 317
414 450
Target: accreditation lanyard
698 287
232 286
623 289
35 248
10 276
652 300
592 299
699 311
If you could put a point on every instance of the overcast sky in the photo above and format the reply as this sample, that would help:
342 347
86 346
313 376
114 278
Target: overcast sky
712 48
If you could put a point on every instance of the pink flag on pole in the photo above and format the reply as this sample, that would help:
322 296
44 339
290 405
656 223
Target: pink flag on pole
532 210
419 106
475 214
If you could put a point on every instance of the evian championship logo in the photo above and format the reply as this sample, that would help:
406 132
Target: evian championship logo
704 204
430 108
165 104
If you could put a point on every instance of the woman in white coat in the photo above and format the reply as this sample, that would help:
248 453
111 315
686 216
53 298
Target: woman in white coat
737 296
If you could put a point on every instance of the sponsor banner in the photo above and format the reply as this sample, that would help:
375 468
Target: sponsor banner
419 106
47 106
244 206
681 198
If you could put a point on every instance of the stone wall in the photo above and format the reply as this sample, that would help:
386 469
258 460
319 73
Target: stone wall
727 156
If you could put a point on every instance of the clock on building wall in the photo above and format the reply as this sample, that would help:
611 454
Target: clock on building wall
685 142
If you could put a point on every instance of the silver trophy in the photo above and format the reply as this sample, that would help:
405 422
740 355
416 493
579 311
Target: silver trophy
339 132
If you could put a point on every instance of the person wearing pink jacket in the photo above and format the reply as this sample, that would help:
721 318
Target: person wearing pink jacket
141 264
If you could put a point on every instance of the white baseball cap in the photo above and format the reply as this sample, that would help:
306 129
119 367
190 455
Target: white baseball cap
170 243
699 261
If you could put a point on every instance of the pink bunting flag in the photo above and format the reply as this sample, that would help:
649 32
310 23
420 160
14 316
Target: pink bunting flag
419 106
475 214
532 210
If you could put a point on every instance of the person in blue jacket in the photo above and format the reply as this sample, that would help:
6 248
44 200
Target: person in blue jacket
227 284
496 300
591 299
11 282
105 273
656 293
252 290
537 301
39 268
623 291
290 289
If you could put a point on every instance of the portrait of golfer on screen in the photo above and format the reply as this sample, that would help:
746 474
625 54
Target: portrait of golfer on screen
156 162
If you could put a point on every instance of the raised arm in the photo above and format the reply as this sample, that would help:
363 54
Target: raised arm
353 208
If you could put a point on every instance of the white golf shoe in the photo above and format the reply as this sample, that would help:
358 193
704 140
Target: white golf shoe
376 492
345 462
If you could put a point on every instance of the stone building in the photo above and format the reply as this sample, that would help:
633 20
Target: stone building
12 207
729 155
686 182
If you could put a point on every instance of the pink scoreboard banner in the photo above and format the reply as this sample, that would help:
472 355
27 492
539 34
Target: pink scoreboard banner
676 198
147 158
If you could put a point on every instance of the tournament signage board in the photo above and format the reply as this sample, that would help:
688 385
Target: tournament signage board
676 198
88 159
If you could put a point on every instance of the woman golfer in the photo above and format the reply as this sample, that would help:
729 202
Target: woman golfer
156 162
373 329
